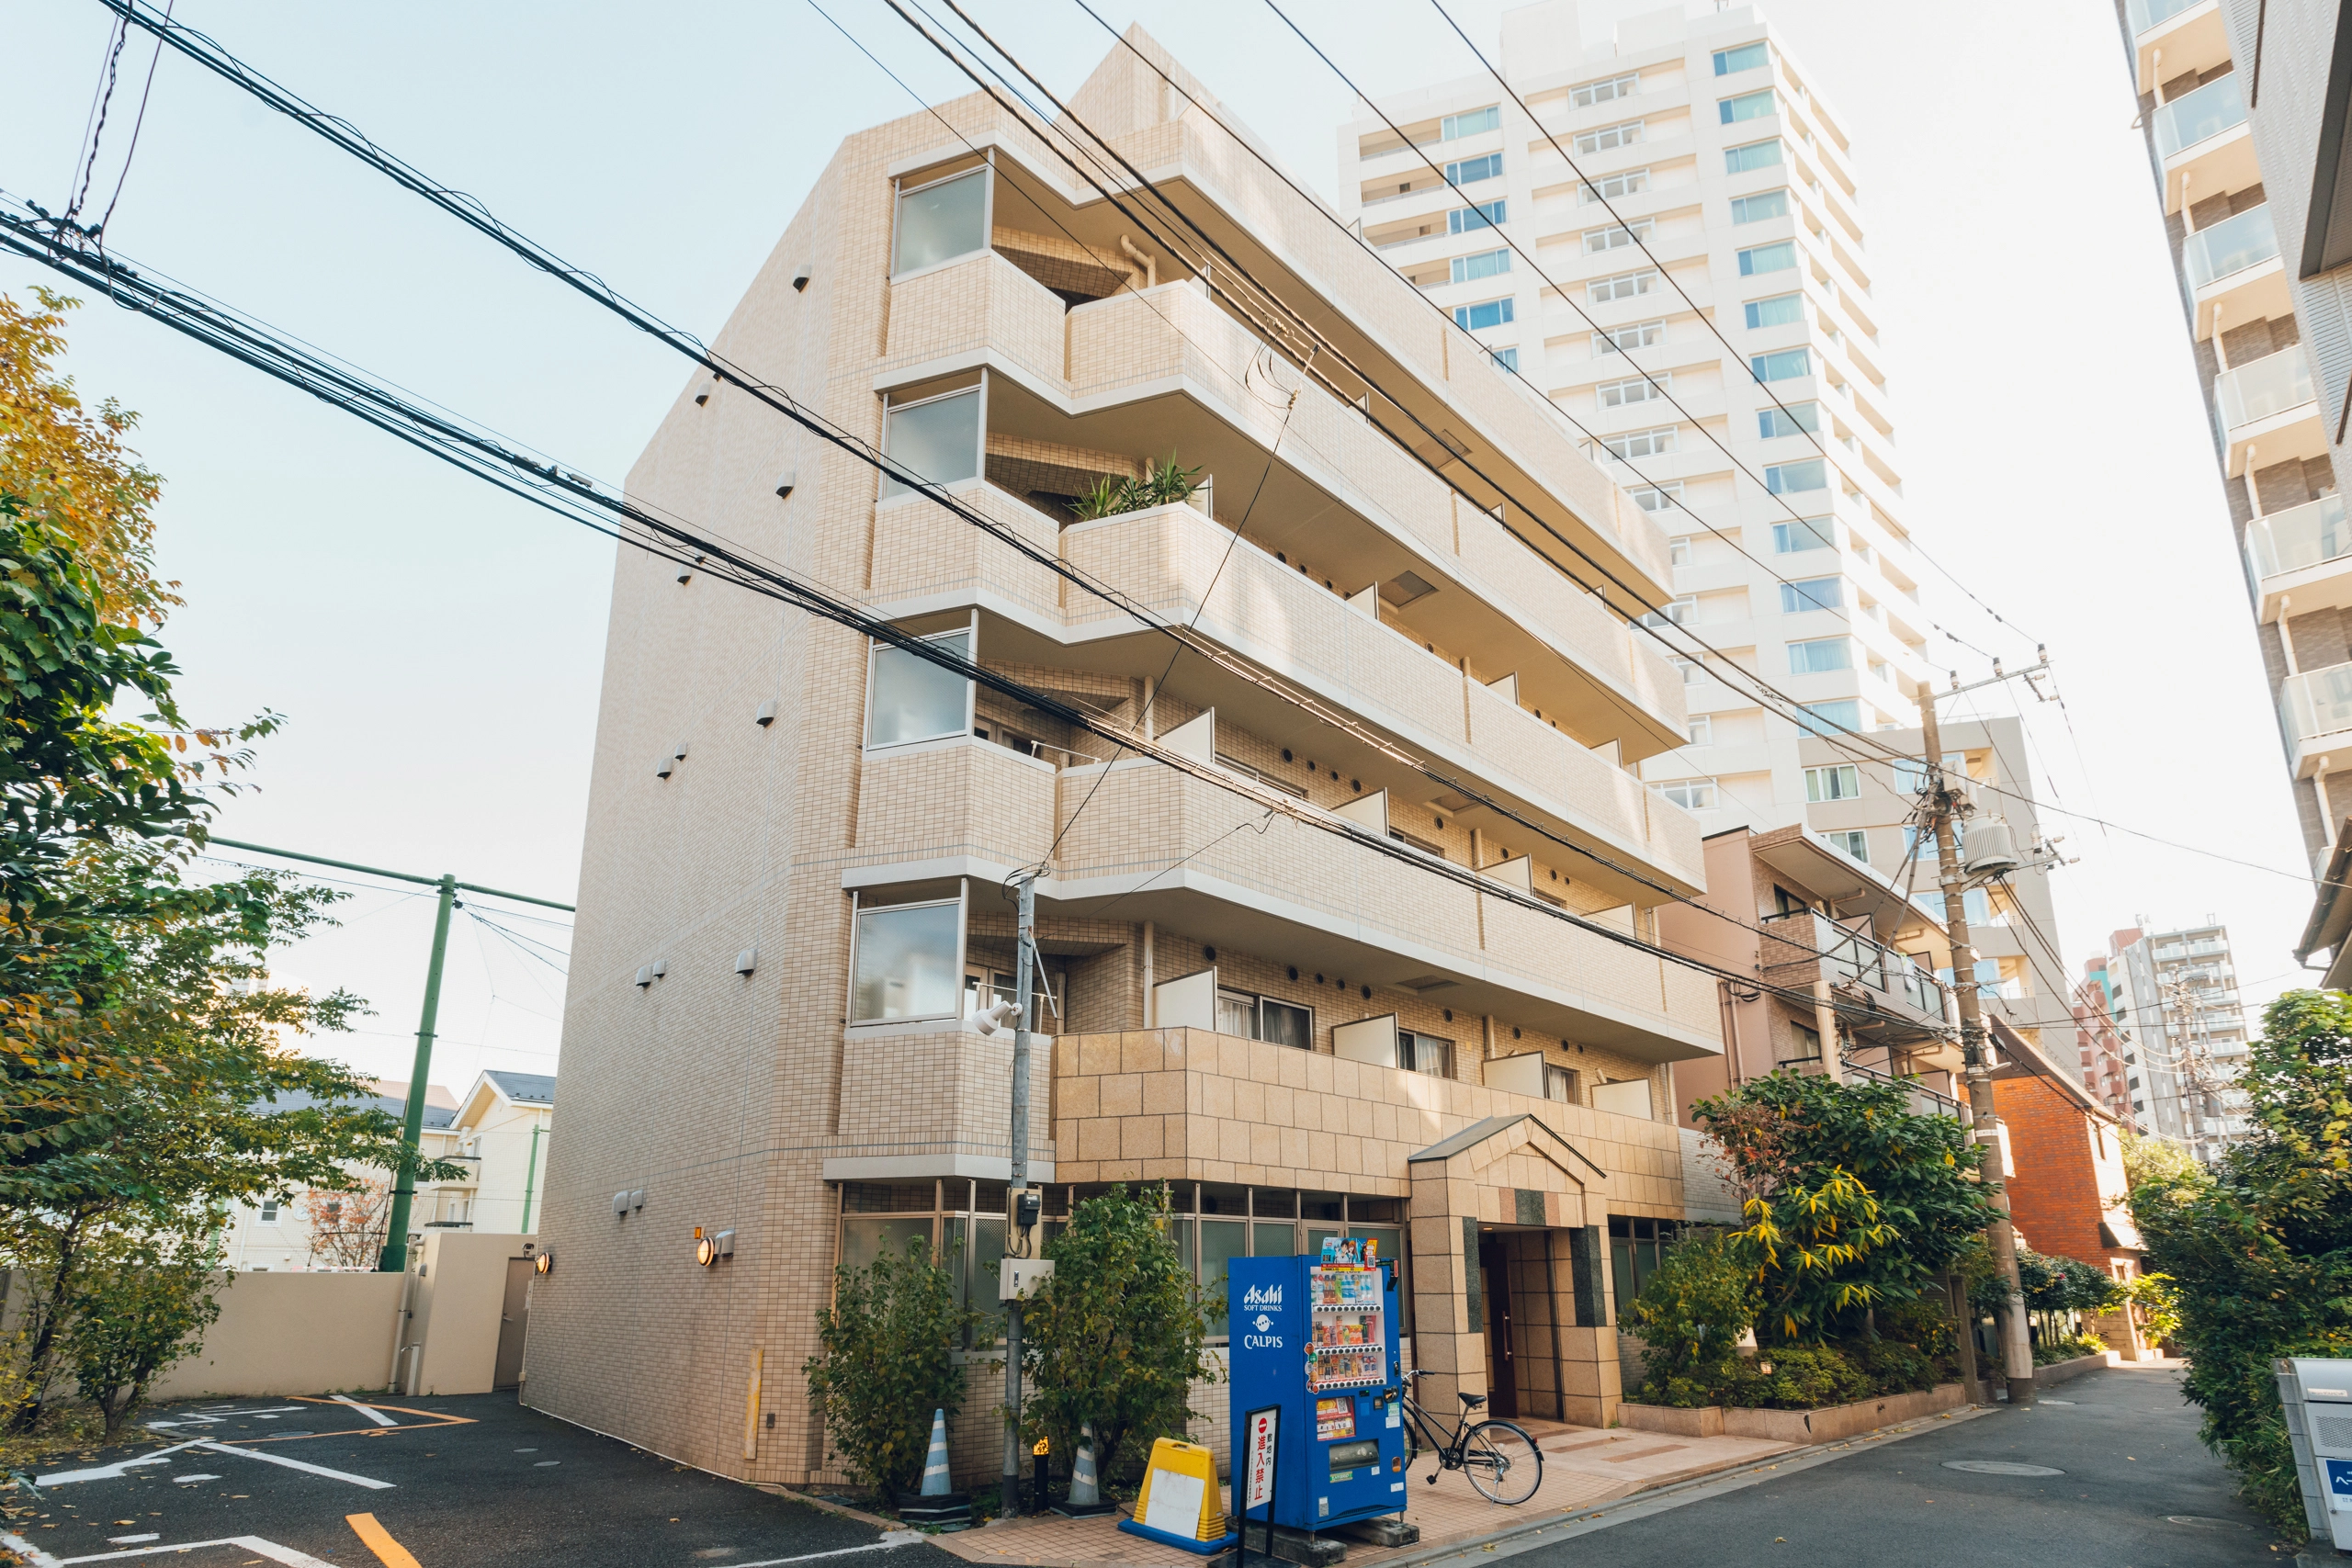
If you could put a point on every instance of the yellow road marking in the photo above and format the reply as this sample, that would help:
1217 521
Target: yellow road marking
379 1540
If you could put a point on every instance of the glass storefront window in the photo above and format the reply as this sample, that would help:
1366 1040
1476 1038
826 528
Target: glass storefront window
909 698
937 439
1277 1240
864 1239
1221 1241
907 962
1315 1235
942 221
980 1275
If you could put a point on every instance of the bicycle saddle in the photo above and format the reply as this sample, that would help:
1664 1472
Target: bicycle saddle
1471 1401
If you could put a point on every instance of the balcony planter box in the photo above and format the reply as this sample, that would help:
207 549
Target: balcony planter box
2062 1371
1827 1424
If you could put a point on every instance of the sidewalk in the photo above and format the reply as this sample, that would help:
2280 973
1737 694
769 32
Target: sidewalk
1583 1467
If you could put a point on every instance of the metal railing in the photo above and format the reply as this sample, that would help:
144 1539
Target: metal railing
1924 1101
1846 955
2306 536
2193 116
2230 246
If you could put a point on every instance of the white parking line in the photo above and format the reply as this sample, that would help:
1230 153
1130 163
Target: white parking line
369 1410
183 1480
252 1543
293 1464
132 1540
114 1471
889 1539
214 1417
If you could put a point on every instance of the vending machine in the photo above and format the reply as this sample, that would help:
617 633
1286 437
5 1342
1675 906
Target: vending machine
1315 1338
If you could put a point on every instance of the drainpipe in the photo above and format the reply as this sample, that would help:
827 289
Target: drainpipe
530 1175
2253 496
1730 1006
2286 642
1146 264
1150 1005
1825 1019
2319 789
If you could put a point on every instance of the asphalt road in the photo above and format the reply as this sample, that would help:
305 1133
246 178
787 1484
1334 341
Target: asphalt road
477 1481
2135 1490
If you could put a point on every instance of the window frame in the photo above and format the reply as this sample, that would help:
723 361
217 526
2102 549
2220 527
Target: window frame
1506 309
899 192
1631 389
1449 127
1795 468
1458 267
1748 267
1798 586
1772 364
883 481
1629 182
1647 441
1779 159
1644 282
858 911
1597 145
1699 730
1840 775
1727 113
1646 334
971 631
1845 644
1854 843
1656 496
1822 530
1457 218
1635 232
1761 46
1663 789
1739 204
1793 414
1625 84
1457 179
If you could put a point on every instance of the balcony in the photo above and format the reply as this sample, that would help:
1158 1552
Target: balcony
2233 267
1924 1101
1907 1002
2174 38
2315 712
2267 411
2203 145
2303 554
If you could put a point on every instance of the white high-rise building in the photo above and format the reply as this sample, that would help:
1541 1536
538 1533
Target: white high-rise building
1735 208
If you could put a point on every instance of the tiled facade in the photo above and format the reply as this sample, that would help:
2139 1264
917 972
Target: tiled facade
759 836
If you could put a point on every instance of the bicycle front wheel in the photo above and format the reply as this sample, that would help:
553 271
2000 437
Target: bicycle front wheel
1504 1464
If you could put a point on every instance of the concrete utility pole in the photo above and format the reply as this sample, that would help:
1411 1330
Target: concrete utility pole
1016 1196
393 1259
1941 806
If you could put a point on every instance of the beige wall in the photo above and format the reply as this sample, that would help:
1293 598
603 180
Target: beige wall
450 1345
281 1332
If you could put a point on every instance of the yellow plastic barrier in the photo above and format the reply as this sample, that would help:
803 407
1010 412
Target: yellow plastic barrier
1181 1504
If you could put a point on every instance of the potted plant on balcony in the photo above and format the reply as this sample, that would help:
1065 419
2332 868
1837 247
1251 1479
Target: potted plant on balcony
1163 484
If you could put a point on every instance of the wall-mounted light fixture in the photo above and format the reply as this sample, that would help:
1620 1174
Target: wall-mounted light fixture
543 1263
712 1246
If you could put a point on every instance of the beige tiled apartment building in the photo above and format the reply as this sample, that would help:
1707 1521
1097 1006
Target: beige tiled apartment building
794 893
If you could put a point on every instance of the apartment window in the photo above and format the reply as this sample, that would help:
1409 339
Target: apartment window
1470 123
1808 1044
1481 263
1487 313
1780 311
1976 906
1506 358
1690 669
909 698
1634 389
1658 498
1781 363
1678 550
1469 171
1807 534
1691 794
1642 443
1782 479
1641 334
909 962
1777 257
1598 240
1755 155
937 439
1424 1053
1633 182
1263 1017
1795 418
1811 594
1746 57
1486 215
1624 134
1676 612
1818 656
1853 842
1762 205
941 221
1748 106
1830 718
1623 286
1604 92
269 1211
1560 1084
1699 730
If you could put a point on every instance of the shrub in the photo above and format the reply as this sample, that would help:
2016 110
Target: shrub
2067 1348
1893 1366
1690 1315
1800 1379
884 1364
145 1302
1163 484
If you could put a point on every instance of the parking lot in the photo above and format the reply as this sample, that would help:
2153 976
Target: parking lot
477 1481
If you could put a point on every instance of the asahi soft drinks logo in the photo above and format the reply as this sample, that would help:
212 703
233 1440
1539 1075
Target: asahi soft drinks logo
1261 1300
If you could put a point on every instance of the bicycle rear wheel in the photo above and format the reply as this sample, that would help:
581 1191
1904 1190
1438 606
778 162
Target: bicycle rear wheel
1504 1464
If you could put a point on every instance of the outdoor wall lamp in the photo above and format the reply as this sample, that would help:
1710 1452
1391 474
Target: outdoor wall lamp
712 1246
543 1263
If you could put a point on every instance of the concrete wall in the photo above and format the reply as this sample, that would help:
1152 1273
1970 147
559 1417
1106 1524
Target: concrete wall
451 1343
294 1334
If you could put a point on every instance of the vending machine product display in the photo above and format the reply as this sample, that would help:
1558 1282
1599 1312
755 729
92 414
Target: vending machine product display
1317 1337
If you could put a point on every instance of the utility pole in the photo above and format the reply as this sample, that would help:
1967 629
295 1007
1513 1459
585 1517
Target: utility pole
394 1258
1019 1205
1942 805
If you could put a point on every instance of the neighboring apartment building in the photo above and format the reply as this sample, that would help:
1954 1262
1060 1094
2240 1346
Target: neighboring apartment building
1734 182
499 1132
794 898
2100 1043
2183 1028
2245 121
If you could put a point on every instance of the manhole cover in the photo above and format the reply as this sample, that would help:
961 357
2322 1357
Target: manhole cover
1998 1467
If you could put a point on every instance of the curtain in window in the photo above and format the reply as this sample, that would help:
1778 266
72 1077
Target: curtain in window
942 221
908 965
909 698
939 439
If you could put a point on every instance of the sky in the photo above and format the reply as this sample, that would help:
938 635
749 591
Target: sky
437 646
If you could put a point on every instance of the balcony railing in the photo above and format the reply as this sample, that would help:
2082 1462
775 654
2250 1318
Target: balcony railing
2193 116
2230 246
2146 14
2306 536
1924 1101
2315 702
2262 389
1847 955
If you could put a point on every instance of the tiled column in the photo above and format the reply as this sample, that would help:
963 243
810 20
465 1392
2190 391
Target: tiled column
1588 1339
1447 1312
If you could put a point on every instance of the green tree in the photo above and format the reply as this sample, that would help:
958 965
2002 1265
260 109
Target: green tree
2259 1250
1117 1335
145 1300
1808 1250
885 1361
1689 1316
1789 1133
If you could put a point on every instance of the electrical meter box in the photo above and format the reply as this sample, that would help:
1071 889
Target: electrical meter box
1317 1338
2317 1400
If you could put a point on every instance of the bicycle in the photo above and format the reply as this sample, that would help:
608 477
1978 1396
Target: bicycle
1503 1461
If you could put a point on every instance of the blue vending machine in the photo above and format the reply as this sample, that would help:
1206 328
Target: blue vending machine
1317 1339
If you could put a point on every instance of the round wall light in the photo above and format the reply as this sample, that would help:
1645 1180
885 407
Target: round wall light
543 1263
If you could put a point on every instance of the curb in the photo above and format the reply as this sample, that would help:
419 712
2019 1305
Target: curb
1598 1517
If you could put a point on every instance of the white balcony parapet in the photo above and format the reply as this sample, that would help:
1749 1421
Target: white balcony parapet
2196 116
2300 538
2314 704
2263 389
2232 245
2147 14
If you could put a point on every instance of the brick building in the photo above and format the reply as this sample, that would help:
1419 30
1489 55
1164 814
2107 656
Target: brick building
2099 1042
793 898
